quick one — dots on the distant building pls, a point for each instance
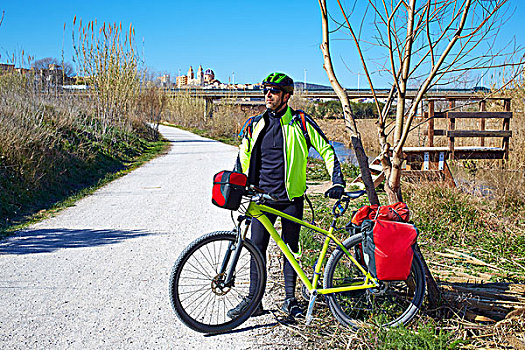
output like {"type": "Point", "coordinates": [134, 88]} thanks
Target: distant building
{"type": "Point", "coordinates": [165, 81]}
{"type": "Point", "coordinates": [205, 79]}
{"type": "Point", "coordinates": [209, 76]}
{"type": "Point", "coordinates": [200, 77]}
{"type": "Point", "coordinates": [6, 68]}
{"type": "Point", "coordinates": [181, 81]}
{"type": "Point", "coordinates": [53, 76]}
{"type": "Point", "coordinates": [23, 71]}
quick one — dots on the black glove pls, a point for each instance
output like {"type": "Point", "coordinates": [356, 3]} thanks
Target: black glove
{"type": "Point", "coordinates": [335, 192]}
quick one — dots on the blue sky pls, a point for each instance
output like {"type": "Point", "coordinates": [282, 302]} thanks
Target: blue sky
{"type": "Point", "coordinates": [244, 40]}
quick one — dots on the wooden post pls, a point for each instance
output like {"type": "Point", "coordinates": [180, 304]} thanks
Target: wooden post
{"type": "Point", "coordinates": [430, 123]}
{"type": "Point", "coordinates": [449, 179]}
{"type": "Point", "coordinates": [506, 126]}
{"type": "Point", "coordinates": [434, 293]}
{"type": "Point", "coordinates": [451, 127]}
{"type": "Point", "coordinates": [482, 108]}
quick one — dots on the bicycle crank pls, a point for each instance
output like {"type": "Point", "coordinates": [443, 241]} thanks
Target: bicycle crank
{"type": "Point", "coordinates": [381, 290]}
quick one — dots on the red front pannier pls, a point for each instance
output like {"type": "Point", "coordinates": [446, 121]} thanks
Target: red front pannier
{"type": "Point", "coordinates": [387, 247]}
{"type": "Point", "coordinates": [228, 189]}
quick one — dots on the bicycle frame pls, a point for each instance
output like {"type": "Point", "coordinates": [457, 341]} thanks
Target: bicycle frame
{"type": "Point", "coordinates": [257, 211]}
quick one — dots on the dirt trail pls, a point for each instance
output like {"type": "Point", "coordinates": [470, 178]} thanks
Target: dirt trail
{"type": "Point", "coordinates": [96, 275]}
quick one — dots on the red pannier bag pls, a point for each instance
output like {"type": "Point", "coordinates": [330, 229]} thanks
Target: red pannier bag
{"type": "Point", "coordinates": [394, 212]}
{"type": "Point", "coordinates": [228, 189]}
{"type": "Point", "coordinates": [387, 247]}
{"type": "Point", "coordinates": [367, 212]}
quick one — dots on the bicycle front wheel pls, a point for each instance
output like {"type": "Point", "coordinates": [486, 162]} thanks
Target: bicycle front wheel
{"type": "Point", "coordinates": [391, 304]}
{"type": "Point", "coordinates": [198, 292]}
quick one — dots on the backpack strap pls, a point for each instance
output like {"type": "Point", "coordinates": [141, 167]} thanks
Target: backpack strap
{"type": "Point", "coordinates": [300, 117]}
{"type": "Point", "coordinates": [247, 128]}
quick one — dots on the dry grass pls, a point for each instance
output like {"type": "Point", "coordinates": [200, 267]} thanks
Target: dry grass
{"type": "Point", "coordinates": [464, 221]}
{"type": "Point", "coordinates": [228, 118]}
{"type": "Point", "coordinates": [107, 59]}
{"type": "Point", "coordinates": [189, 112]}
{"type": "Point", "coordinates": [52, 145]}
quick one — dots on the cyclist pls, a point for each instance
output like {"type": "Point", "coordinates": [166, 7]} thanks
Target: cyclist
{"type": "Point", "coordinates": [273, 154]}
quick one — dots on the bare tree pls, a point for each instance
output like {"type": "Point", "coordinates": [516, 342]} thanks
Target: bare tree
{"type": "Point", "coordinates": [44, 63]}
{"type": "Point", "coordinates": [420, 44]}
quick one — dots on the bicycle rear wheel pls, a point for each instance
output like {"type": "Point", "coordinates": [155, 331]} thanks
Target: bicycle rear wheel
{"type": "Point", "coordinates": [391, 304]}
{"type": "Point", "coordinates": [197, 291]}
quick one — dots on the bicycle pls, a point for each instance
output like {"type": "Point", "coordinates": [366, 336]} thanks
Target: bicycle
{"type": "Point", "coordinates": [212, 275]}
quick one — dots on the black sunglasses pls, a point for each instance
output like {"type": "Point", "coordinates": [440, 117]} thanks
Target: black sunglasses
{"type": "Point", "coordinates": [273, 90]}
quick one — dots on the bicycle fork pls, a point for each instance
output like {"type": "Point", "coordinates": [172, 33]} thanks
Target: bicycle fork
{"type": "Point", "coordinates": [236, 248]}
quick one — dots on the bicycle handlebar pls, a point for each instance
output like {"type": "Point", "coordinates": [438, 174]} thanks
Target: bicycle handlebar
{"type": "Point", "coordinates": [258, 195]}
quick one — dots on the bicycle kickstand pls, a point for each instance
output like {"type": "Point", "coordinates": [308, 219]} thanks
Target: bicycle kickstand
{"type": "Point", "coordinates": [309, 317]}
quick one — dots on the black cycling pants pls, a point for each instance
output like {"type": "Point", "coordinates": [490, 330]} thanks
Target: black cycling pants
{"type": "Point", "coordinates": [290, 234]}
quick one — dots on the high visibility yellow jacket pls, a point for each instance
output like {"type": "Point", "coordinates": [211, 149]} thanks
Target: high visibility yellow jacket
{"type": "Point", "coordinates": [295, 149]}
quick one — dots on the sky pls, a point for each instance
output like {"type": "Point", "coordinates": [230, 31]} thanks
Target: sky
{"type": "Point", "coordinates": [242, 41]}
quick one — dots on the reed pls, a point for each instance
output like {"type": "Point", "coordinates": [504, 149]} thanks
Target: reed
{"type": "Point", "coordinates": [53, 145]}
{"type": "Point", "coordinates": [107, 59]}
{"type": "Point", "coordinates": [190, 112]}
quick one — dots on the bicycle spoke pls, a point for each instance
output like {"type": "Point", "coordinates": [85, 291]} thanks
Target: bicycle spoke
{"type": "Point", "coordinates": [388, 304]}
{"type": "Point", "coordinates": [214, 263]}
{"type": "Point", "coordinates": [204, 269]}
{"type": "Point", "coordinates": [193, 291]}
{"type": "Point", "coordinates": [195, 270]}
{"type": "Point", "coordinates": [198, 295]}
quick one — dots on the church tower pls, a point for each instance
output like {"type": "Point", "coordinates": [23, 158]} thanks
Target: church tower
{"type": "Point", "coordinates": [190, 74]}
{"type": "Point", "coordinates": [200, 76]}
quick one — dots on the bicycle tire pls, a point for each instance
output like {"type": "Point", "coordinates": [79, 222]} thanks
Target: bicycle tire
{"type": "Point", "coordinates": [392, 304]}
{"type": "Point", "coordinates": [200, 304]}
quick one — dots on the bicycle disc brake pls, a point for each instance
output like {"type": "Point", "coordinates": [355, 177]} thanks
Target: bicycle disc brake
{"type": "Point", "coordinates": [217, 285]}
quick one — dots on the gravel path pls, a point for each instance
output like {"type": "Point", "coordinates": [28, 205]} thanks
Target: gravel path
{"type": "Point", "coordinates": [95, 276]}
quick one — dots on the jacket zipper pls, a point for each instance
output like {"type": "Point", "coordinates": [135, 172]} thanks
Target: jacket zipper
{"type": "Point", "coordinates": [285, 163]}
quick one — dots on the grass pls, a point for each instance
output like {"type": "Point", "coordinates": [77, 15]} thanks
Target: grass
{"type": "Point", "coordinates": [52, 203]}
{"type": "Point", "coordinates": [446, 219]}
{"type": "Point", "coordinates": [187, 112]}
{"type": "Point", "coordinates": [450, 219]}
{"type": "Point", "coordinates": [427, 337]}
{"type": "Point", "coordinates": [55, 148]}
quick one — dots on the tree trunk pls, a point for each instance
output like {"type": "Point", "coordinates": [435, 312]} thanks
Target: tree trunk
{"type": "Point", "coordinates": [351, 126]}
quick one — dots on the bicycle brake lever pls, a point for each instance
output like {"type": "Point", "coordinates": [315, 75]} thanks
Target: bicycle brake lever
{"type": "Point", "coordinates": [268, 197]}
{"type": "Point", "coordinates": [263, 197]}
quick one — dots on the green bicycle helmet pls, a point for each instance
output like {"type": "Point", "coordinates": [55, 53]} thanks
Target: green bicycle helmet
{"type": "Point", "coordinates": [280, 80]}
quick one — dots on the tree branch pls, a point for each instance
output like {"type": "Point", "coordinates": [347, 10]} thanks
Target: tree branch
{"type": "Point", "coordinates": [349, 119]}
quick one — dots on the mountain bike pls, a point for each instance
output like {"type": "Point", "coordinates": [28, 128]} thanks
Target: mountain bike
{"type": "Point", "coordinates": [212, 275]}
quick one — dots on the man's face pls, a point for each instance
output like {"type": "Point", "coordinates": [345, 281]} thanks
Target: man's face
{"type": "Point", "coordinates": [273, 97]}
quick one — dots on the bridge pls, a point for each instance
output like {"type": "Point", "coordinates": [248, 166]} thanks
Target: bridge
{"type": "Point", "coordinates": [257, 95]}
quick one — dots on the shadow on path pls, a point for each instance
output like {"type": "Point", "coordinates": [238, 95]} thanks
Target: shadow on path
{"type": "Point", "coordinates": [50, 240]}
{"type": "Point", "coordinates": [245, 329]}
